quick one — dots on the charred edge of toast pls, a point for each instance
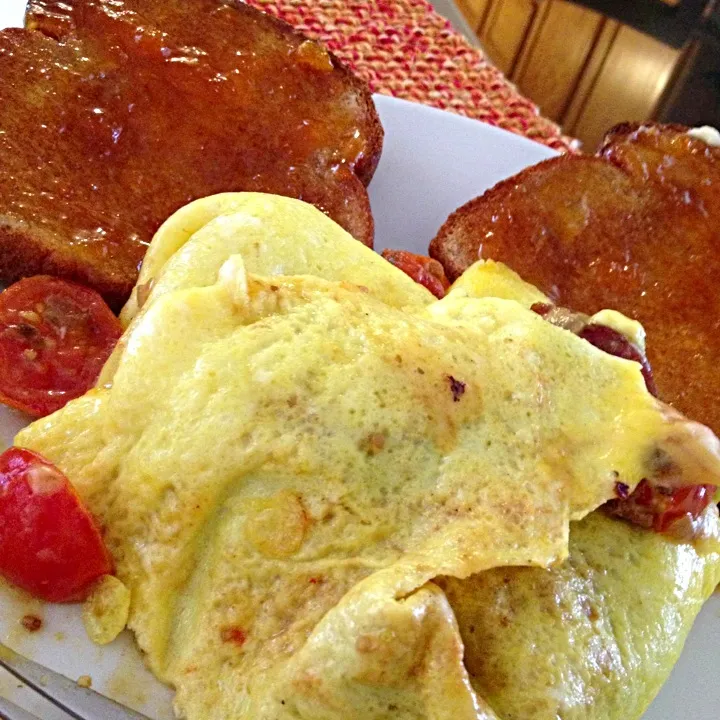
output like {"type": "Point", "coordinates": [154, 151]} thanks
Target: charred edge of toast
{"type": "Point", "coordinates": [24, 254]}
{"type": "Point", "coordinates": [456, 251]}
{"type": "Point", "coordinates": [364, 225]}
{"type": "Point", "coordinates": [59, 28]}
{"type": "Point", "coordinates": [366, 165]}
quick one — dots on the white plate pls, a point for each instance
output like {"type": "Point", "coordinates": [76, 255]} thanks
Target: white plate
{"type": "Point", "coordinates": [432, 163]}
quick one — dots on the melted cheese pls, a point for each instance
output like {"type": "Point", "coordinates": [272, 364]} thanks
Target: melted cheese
{"type": "Point", "coordinates": [707, 134]}
{"type": "Point", "coordinates": [631, 329]}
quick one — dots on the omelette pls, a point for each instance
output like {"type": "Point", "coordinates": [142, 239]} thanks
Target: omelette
{"type": "Point", "coordinates": [331, 496]}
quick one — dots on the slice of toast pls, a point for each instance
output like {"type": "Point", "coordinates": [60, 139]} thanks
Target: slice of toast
{"type": "Point", "coordinates": [115, 114]}
{"type": "Point", "coordinates": [636, 228]}
{"type": "Point", "coordinates": [530, 220]}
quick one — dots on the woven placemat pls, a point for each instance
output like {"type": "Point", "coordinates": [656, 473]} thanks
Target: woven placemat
{"type": "Point", "coordinates": [406, 49]}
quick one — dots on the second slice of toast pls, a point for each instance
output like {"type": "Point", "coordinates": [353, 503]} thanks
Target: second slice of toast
{"type": "Point", "coordinates": [635, 228]}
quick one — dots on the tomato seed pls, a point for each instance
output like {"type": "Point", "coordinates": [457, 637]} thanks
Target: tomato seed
{"type": "Point", "coordinates": [44, 480]}
{"type": "Point", "coordinates": [29, 316]}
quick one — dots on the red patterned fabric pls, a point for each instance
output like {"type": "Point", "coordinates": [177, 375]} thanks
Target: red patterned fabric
{"type": "Point", "coordinates": [404, 48]}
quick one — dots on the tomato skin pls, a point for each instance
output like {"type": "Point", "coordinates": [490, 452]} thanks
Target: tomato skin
{"type": "Point", "coordinates": [421, 269]}
{"type": "Point", "coordinates": [50, 545]}
{"type": "Point", "coordinates": [659, 507]}
{"type": "Point", "coordinates": [689, 500]}
{"type": "Point", "coordinates": [55, 336]}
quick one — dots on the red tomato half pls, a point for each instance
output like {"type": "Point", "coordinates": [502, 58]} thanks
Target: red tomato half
{"type": "Point", "coordinates": [55, 337]}
{"type": "Point", "coordinates": [49, 543]}
{"type": "Point", "coordinates": [659, 507]}
{"type": "Point", "coordinates": [421, 269]}
{"type": "Point", "coordinates": [690, 500]}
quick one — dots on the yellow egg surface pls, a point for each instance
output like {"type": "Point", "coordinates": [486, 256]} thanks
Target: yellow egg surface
{"type": "Point", "coordinates": [275, 236]}
{"type": "Point", "coordinates": [595, 637]}
{"type": "Point", "coordinates": [293, 440]}
{"type": "Point", "coordinates": [488, 278]}
{"type": "Point", "coordinates": [282, 466]}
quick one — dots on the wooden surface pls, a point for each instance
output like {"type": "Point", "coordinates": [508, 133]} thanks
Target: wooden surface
{"type": "Point", "coordinates": [473, 10]}
{"type": "Point", "coordinates": [585, 71]}
{"type": "Point", "coordinates": [505, 29]}
{"type": "Point", "coordinates": [596, 60]}
{"type": "Point", "coordinates": [629, 85]}
{"type": "Point", "coordinates": [556, 55]}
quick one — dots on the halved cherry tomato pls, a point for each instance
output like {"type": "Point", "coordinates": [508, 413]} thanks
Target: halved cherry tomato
{"type": "Point", "coordinates": [421, 269]}
{"type": "Point", "coordinates": [660, 507]}
{"type": "Point", "coordinates": [689, 500]}
{"type": "Point", "coordinates": [55, 337]}
{"type": "Point", "coordinates": [50, 545]}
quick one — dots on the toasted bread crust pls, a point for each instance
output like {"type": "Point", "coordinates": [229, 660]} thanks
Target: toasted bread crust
{"type": "Point", "coordinates": [59, 19]}
{"type": "Point", "coordinates": [459, 242]}
{"type": "Point", "coordinates": [24, 254]}
{"type": "Point", "coordinates": [635, 228]}
{"type": "Point", "coordinates": [621, 132]}
{"type": "Point", "coordinates": [104, 137]}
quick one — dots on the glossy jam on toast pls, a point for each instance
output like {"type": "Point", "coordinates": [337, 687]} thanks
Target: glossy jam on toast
{"type": "Point", "coordinates": [115, 113]}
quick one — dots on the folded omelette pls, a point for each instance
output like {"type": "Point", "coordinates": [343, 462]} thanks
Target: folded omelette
{"type": "Point", "coordinates": [332, 497]}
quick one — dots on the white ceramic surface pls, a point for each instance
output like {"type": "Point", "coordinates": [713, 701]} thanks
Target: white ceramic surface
{"type": "Point", "coordinates": [432, 163]}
